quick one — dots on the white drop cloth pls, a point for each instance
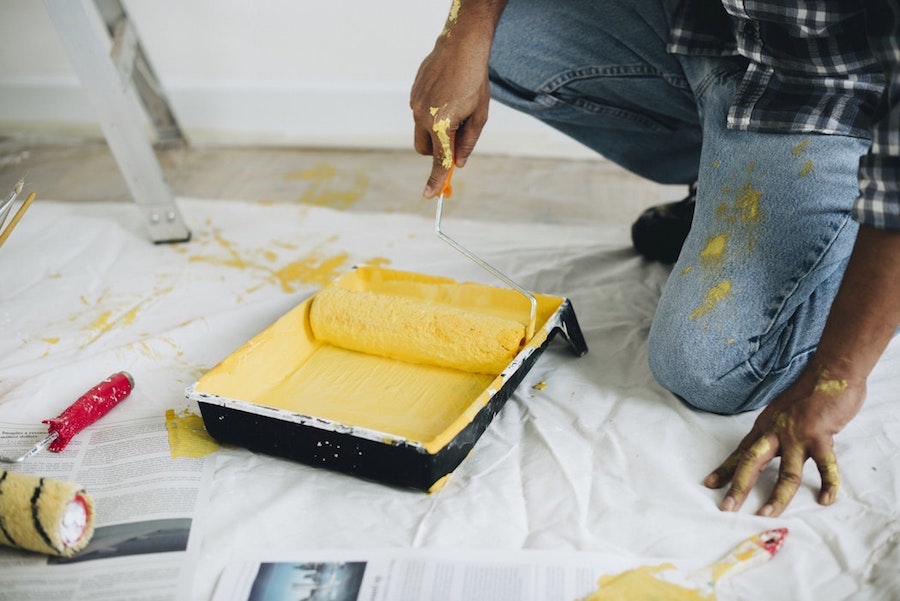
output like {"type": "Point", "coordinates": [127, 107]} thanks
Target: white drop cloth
{"type": "Point", "coordinates": [602, 459]}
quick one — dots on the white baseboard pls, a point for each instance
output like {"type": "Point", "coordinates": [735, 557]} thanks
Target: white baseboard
{"type": "Point", "coordinates": [324, 114]}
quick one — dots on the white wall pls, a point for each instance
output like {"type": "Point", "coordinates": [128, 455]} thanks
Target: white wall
{"type": "Point", "coordinates": [317, 73]}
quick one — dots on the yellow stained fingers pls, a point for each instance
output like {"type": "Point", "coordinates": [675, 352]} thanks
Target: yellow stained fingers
{"type": "Point", "coordinates": [831, 478]}
{"type": "Point", "coordinates": [789, 478]}
{"type": "Point", "coordinates": [750, 462]}
{"type": "Point", "coordinates": [441, 128]}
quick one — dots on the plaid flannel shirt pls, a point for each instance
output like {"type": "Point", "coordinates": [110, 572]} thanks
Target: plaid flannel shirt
{"type": "Point", "coordinates": [813, 66]}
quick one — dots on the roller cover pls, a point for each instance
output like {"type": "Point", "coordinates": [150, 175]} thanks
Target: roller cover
{"type": "Point", "coordinates": [414, 331]}
{"type": "Point", "coordinates": [54, 517]}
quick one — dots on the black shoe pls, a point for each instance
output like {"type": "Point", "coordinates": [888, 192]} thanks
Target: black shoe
{"type": "Point", "coordinates": [660, 231]}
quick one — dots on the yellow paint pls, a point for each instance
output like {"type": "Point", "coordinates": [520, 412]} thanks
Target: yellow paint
{"type": "Point", "coordinates": [799, 148]}
{"type": "Point", "coordinates": [287, 368]}
{"type": "Point", "coordinates": [542, 385]}
{"type": "Point", "coordinates": [328, 186]}
{"type": "Point", "coordinates": [642, 584]}
{"type": "Point", "coordinates": [826, 384]}
{"type": "Point", "coordinates": [441, 127]}
{"type": "Point", "coordinates": [378, 261]}
{"type": "Point", "coordinates": [687, 270]}
{"type": "Point", "coordinates": [308, 270]}
{"type": "Point", "coordinates": [807, 169]}
{"type": "Point", "coordinates": [439, 484]}
{"type": "Point", "coordinates": [452, 18]}
{"type": "Point", "coordinates": [712, 298]}
{"type": "Point", "coordinates": [747, 203]}
{"type": "Point", "coordinates": [714, 251]}
{"type": "Point", "coordinates": [51, 339]}
{"type": "Point", "coordinates": [188, 436]}
{"type": "Point", "coordinates": [715, 164]}
{"type": "Point", "coordinates": [311, 269]}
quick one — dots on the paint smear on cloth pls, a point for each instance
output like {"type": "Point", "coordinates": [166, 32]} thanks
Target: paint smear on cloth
{"type": "Point", "coordinates": [641, 584]}
{"type": "Point", "coordinates": [314, 268]}
{"type": "Point", "coordinates": [188, 436]}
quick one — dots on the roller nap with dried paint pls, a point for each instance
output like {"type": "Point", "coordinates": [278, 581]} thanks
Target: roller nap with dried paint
{"type": "Point", "coordinates": [418, 331]}
{"type": "Point", "coordinates": [54, 517]}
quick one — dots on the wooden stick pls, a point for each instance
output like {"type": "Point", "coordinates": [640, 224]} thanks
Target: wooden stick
{"type": "Point", "coordinates": [15, 220]}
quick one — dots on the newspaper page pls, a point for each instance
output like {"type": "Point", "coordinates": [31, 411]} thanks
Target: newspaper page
{"type": "Point", "coordinates": [145, 544]}
{"type": "Point", "coordinates": [416, 574]}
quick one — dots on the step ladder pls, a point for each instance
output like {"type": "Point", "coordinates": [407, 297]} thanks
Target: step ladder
{"type": "Point", "coordinates": [106, 54]}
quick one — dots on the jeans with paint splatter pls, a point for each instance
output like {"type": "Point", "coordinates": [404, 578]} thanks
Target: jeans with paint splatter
{"type": "Point", "coordinates": [744, 306]}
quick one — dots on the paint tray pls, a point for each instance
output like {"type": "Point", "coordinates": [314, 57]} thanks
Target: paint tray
{"type": "Point", "coordinates": [286, 394]}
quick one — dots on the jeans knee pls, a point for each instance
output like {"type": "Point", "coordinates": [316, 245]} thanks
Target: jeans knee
{"type": "Point", "coordinates": [703, 377]}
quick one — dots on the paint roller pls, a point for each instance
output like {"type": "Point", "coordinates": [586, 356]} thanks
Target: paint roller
{"type": "Point", "coordinates": [418, 331]}
{"type": "Point", "coordinates": [45, 515]}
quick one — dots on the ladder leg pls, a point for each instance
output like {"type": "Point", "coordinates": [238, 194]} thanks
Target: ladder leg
{"type": "Point", "coordinates": [83, 34]}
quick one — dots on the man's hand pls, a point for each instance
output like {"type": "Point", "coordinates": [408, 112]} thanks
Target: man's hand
{"type": "Point", "coordinates": [451, 92]}
{"type": "Point", "coordinates": [800, 424]}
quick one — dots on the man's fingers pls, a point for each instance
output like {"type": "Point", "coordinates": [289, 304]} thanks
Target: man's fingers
{"type": "Point", "coordinates": [422, 142]}
{"type": "Point", "coordinates": [722, 474]}
{"type": "Point", "coordinates": [790, 474]}
{"type": "Point", "coordinates": [831, 477]}
{"type": "Point", "coordinates": [750, 463]}
{"type": "Point", "coordinates": [436, 179]}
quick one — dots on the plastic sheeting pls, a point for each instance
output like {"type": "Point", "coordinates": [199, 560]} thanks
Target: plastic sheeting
{"type": "Point", "coordinates": [599, 457]}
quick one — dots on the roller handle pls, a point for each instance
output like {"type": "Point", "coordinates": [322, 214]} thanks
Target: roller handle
{"type": "Point", "coordinates": [91, 406]}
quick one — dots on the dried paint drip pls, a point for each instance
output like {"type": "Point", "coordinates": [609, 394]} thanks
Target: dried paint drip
{"type": "Point", "coordinates": [188, 436]}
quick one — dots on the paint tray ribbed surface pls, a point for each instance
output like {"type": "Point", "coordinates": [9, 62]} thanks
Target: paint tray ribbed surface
{"type": "Point", "coordinates": [403, 423]}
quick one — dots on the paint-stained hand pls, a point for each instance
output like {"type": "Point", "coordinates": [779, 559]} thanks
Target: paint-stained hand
{"type": "Point", "coordinates": [798, 425]}
{"type": "Point", "coordinates": [449, 100]}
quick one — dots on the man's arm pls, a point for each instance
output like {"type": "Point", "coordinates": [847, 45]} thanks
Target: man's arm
{"type": "Point", "coordinates": [451, 92]}
{"type": "Point", "coordinates": [802, 421]}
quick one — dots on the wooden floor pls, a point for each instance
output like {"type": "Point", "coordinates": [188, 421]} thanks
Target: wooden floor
{"type": "Point", "coordinates": [491, 188]}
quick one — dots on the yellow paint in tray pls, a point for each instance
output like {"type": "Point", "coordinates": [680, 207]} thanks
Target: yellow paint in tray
{"type": "Point", "coordinates": [285, 367]}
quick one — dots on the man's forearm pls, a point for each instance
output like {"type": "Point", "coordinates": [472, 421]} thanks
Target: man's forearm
{"type": "Point", "coordinates": [866, 311]}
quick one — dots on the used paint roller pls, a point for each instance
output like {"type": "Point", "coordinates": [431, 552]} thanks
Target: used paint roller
{"type": "Point", "coordinates": [88, 408]}
{"type": "Point", "coordinates": [56, 517]}
{"type": "Point", "coordinates": [422, 331]}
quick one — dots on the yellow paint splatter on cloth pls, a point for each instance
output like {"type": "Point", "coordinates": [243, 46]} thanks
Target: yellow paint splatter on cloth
{"type": "Point", "coordinates": [314, 268]}
{"type": "Point", "coordinates": [641, 584]}
{"type": "Point", "coordinates": [329, 187]}
{"type": "Point", "coordinates": [188, 436]}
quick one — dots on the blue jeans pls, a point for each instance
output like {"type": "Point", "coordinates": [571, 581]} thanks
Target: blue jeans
{"type": "Point", "coordinates": [744, 306]}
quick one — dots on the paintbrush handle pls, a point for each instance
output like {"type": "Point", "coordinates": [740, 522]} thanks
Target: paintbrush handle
{"type": "Point", "coordinates": [91, 406]}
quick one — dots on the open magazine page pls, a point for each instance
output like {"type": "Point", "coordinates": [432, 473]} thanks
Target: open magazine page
{"type": "Point", "coordinates": [416, 574]}
{"type": "Point", "coordinates": [145, 542]}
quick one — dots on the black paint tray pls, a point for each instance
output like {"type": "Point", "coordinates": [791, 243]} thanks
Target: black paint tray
{"type": "Point", "coordinates": [286, 394]}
